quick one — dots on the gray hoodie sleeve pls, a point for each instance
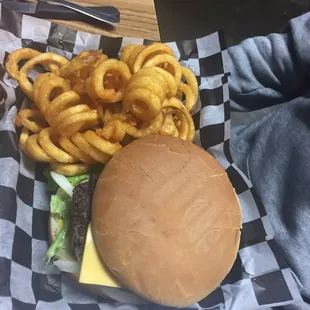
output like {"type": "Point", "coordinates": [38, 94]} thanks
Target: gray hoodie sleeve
{"type": "Point", "coordinates": [274, 151]}
{"type": "Point", "coordinates": [271, 70]}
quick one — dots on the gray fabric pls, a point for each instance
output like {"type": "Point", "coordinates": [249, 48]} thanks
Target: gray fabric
{"type": "Point", "coordinates": [274, 151]}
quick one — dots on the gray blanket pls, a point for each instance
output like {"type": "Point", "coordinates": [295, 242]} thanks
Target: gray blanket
{"type": "Point", "coordinates": [274, 151]}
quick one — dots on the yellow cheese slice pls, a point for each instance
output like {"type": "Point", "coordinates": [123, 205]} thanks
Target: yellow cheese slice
{"type": "Point", "coordinates": [94, 270]}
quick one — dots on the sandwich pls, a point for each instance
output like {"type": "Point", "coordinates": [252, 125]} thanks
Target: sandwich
{"type": "Point", "coordinates": [162, 215]}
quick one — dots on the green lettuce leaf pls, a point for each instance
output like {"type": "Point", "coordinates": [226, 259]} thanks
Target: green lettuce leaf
{"type": "Point", "coordinates": [52, 186]}
{"type": "Point", "coordinates": [61, 243]}
{"type": "Point", "coordinates": [78, 179]}
{"type": "Point", "coordinates": [61, 204]}
{"type": "Point", "coordinates": [60, 207]}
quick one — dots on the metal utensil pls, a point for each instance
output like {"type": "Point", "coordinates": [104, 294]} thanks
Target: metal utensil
{"type": "Point", "coordinates": [53, 11]}
{"type": "Point", "coordinates": [89, 11]}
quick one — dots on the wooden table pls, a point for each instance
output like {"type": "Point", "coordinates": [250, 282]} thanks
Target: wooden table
{"type": "Point", "coordinates": [138, 19]}
{"type": "Point", "coordinates": [171, 20]}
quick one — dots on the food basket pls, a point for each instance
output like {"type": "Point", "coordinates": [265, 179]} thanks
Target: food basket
{"type": "Point", "coordinates": [260, 276]}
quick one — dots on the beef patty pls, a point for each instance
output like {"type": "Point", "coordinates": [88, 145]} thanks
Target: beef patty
{"type": "Point", "coordinates": [81, 212]}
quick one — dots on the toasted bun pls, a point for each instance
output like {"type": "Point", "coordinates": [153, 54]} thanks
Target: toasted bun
{"type": "Point", "coordinates": [166, 220]}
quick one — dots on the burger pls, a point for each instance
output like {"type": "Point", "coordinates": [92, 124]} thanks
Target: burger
{"type": "Point", "coordinates": [162, 218]}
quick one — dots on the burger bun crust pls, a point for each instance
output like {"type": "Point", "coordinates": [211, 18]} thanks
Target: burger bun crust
{"type": "Point", "coordinates": [166, 220]}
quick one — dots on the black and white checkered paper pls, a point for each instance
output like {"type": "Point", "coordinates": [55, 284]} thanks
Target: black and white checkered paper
{"type": "Point", "coordinates": [260, 276]}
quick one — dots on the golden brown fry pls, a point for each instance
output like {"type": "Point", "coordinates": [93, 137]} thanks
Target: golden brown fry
{"type": "Point", "coordinates": [43, 87]}
{"type": "Point", "coordinates": [23, 140]}
{"type": "Point", "coordinates": [151, 128]}
{"type": "Point", "coordinates": [23, 118]}
{"type": "Point", "coordinates": [142, 103]}
{"type": "Point", "coordinates": [126, 52]}
{"type": "Point", "coordinates": [17, 56]}
{"type": "Point", "coordinates": [78, 122]}
{"type": "Point", "coordinates": [75, 79]}
{"type": "Point", "coordinates": [190, 100]}
{"type": "Point", "coordinates": [60, 104]}
{"type": "Point", "coordinates": [36, 151]}
{"type": "Point", "coordinates": [37, 86]}
{"type": "Point", "coordinates": [166, 59]}
{"type": "Point", "coordinates": [129, 125]}
{"type": "Point", "coordinates": [145, 93]}
{"type": "Point", "coordinates": [52, 150]}
{"type": "Point", "coordinates": [64, 113]}
{"type": "Point", "coordinates": [172, 85]}
{"type": "Point", "coordinates": [96, 88]}
{"type": "Point", "coordinates": [113, 81]}
{"type": "Point", "coordinates": [72, 111]}
{"type": "Point", "coordinates": [81, 61]}
{"type": "Point", "coordinates": [191, 81]}
{"type": "Point", "coordinates": [86, 72]}
{"type": "Point", "coordinates": [103, 145]}
{"type": "Point", "coordinates": [129, 55]}
{"type": "Point", "coordinates": [113, 131]}
{"type": "Point", "coordinates": [69, 170]}
{"type": "Point", "coordinates": [169, 128]}
{"type": "Point", "coordinates": [179, 95]}
{"type": "Point", "coordinates": [153, 49]}
{"type": "Point", "coordinates": [186, 129]}
{"type": "Point", "coordinates": [72, 149]}
{"type": "Point", "coordinates": [151, 79]}
{"type": "Point", "coordinates": [43, 59]}
{"type": "Point", "coordinates": [94, 105]}
{"type": "Point", "coordinates": [79, 140]}
{"type": "Point", "coordinates": [80, 88]}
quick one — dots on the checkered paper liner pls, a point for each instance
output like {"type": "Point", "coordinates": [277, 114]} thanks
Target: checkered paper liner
{"type": "Point", "coordinates": [260, 276]}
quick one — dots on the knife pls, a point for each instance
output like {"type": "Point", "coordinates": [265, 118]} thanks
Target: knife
{"type": "Point", "coordinates": [108, 14]}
